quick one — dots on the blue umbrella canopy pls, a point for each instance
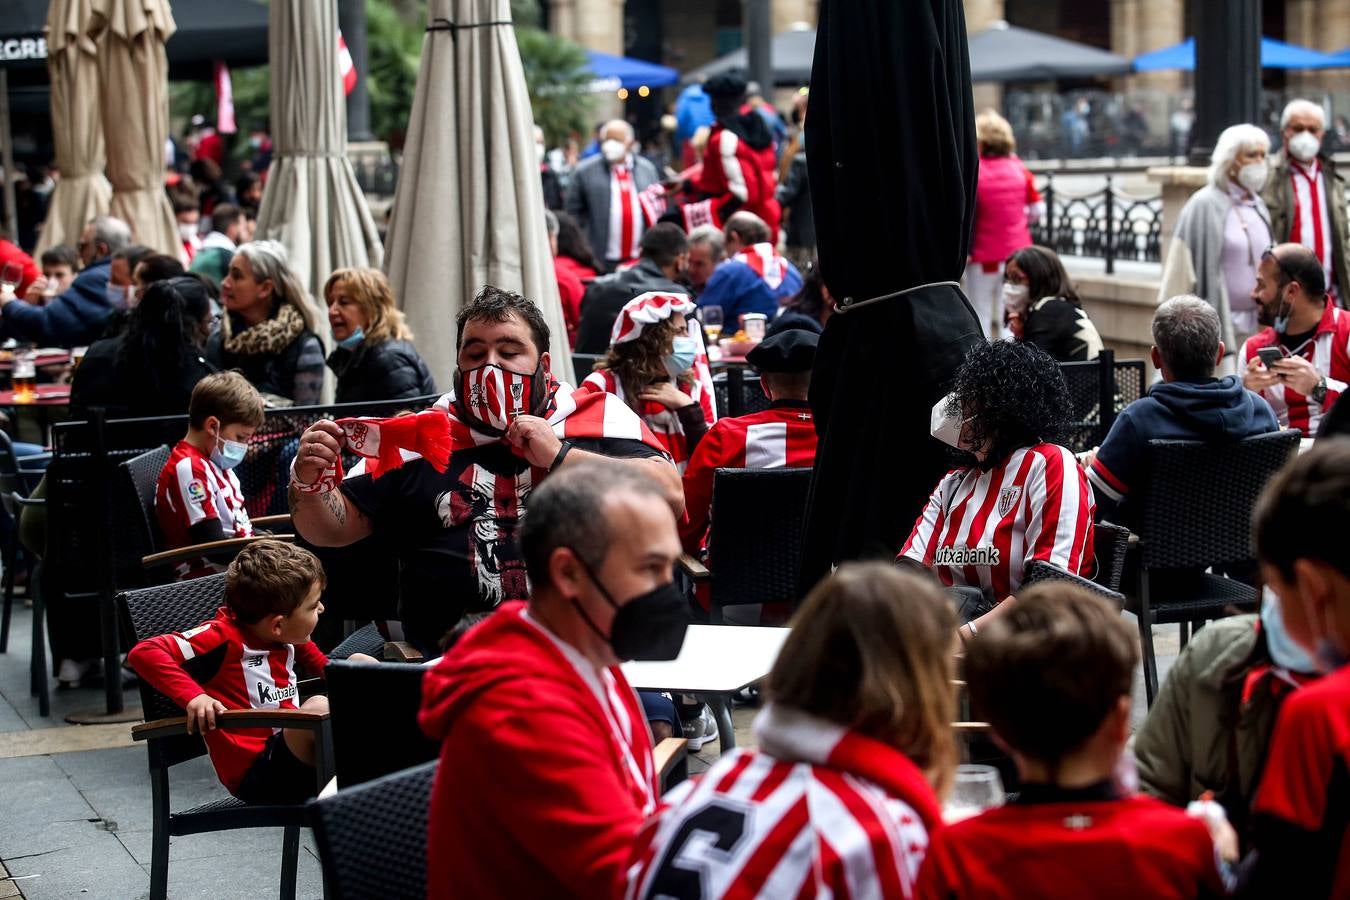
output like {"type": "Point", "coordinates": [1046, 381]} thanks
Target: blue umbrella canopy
{"type": "Point", "coordinates": [614, 72]}
{"type": "Point", "coordinates": [1274, 55]}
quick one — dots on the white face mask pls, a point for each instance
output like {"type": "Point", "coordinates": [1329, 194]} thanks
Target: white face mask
{"type": "Point", "coordinates": [945, 426]}
{"type": "Point", "coordinates": [1253, 176]}
{"type": "Point", "coordinates": [187, 230]}
{"type": "Point", "coordinates": [1304, 146]}
{"type": "Point", "coordinates": [1015, 296]}
{"type": "Point", "coordinates": [613, 151]}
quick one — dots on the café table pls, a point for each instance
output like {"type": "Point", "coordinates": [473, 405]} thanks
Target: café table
{"type": "Point", "coordinates": [53, 401]}
{"type": "Point", "coordinates": [735, 367]}
{"type": "Point", "coordinates": [715, 662]}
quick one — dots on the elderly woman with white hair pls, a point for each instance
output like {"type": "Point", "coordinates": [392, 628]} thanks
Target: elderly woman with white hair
{"type": "Point", "coordinates": [270, 328]}
{"type": "Point", "coordinates": [1221, 233]}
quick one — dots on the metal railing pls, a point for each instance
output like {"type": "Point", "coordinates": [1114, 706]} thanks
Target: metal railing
{"type": "Point", "coordinates": [1106, 224]}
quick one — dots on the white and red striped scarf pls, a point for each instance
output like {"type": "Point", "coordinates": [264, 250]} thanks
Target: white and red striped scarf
{"type": "Point", "coordinates": [435, 434]}
{"type": "Point", "coordinates": [765, 262]}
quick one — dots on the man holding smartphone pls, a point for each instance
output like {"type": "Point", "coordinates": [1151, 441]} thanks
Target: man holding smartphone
{"type": "Point", "coordinates": [1301, 361]}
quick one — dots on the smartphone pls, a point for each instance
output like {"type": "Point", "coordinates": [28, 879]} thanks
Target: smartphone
{"type": "Point", "coordinates": [1270, 355]}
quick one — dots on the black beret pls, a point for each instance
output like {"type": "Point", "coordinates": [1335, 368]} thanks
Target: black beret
{"type": "Point", "coordinates": [793, 350]}
{"type": "Point", "coordinates": [726, 84]}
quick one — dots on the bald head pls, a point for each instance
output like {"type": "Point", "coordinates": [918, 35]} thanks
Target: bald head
{"type": "Point", "coordinates": [745, 229]}
{"type": "Point", "coordinates": [617, 130]}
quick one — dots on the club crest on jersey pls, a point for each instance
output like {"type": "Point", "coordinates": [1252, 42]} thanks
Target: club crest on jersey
{"type": "Point", "coordinates": [1007, 500]}
{"type": "Point", "coordinates": [270, 694]}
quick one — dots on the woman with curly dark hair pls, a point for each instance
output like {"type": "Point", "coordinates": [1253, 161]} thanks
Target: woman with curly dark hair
{"type": "Point", "coordinates": [1042, 307]}
{"type": "Point", "coordinates": [1015, 496]}
{"type": "Point", "coordinates": [656, 365]}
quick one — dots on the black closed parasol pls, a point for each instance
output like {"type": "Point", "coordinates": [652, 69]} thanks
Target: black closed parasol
{"type": "Point", "coordinates": [890, 136]}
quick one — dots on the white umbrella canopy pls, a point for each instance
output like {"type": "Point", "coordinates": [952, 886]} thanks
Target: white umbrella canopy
{"type": "Point", "coordinates": [82, 192]}
{"type": "Point", "coordinates": [312, 203]}
{"type": "Point", "coordinates": [469, 208]}
{"type": "Point", "coordinates": [134, 89]}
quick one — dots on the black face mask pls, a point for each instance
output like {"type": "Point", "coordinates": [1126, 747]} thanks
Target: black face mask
{"type": "Point", "coordinates": [648, 627]}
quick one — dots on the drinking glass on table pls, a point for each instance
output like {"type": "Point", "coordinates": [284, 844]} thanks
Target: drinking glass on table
{"type": "Point", "coordinates": [10, 276]}
{"type": "Point", "coordinates": [25, 378]}
{"type": "Point", "coordinates": [975, 789]}
{"type": "Point", "coordinates": [712, 321]}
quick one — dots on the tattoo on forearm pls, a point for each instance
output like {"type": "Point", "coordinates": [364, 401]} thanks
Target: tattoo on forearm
{"type": "Point", "coordinates": [336, 505]}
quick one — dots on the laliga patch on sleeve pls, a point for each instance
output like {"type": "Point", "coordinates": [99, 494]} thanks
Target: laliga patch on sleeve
{"type": "Point", "coordinates": [196, 491]}
{"type": "Point", "coordinates": [193, 632]}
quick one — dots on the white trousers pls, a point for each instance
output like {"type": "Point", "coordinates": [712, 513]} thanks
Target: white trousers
{"type": "Point", "coordinates": [985, 290]}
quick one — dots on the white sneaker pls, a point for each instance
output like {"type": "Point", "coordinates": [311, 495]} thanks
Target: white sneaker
{"type": "Point", "coordinates": [701, 730]}
{"type": "Point", "coordinates": [72, 672]}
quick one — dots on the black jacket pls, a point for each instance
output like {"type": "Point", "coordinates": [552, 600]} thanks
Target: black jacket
{"type": "Point", "coordinates": [606, 296]}
{"type": "Point", "coordinates": [101, 380]}
{"type": "Point", "coordinates": [795, 198]}
{"type": "Point", "coordinates": [270, 373]}
{"type": "Point", "coordinates": [386, 370]}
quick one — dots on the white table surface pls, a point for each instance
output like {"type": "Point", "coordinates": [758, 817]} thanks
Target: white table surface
{"type": "Point", "coordinates": [714, 659]}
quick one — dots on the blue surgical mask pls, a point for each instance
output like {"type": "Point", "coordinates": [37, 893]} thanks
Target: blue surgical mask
{"type": "Point", "coordinates": [228, 454]}
{"type": "Point", "coordinates": [352, 340]}
{"type": "Point", "coordinates": [1283, 651]}
{"type": "Point", "coordinates": [1282, 322]}
{"type": "Point", "coordinates": [681, 358]}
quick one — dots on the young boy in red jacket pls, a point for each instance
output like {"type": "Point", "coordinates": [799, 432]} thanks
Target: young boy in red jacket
{"type": "Point", "coordinates": [246, 658]}
{"type": "Point", "coordinates": [1053, 678]}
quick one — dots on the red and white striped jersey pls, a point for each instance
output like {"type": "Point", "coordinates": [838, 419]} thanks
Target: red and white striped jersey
{"type": "Point", "coordinates": [193, 489]}
{"type": "Point", "coordinates": [818, 811]}
{"type": "Point", "coordinates": [664, 423]}
{"type": "Point", "coordinates": [782, 436]}
{"type": "Point", "coordinates": [982, 528]}
{"type": "Point", "coordinates": [214, 659]}
{"type": "Point", "coordinates": [1329, 352]}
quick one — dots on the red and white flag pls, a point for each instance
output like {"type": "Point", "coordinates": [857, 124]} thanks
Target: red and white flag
{"type": "Point", "coordinates": [767, 264]}
{"type": "Point", "coordinates": [346, 67]}
{"type": "Point", "coordinates": [224, 99]}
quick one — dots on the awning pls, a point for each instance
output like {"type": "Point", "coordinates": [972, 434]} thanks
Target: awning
{"type": "Point", "coordinates": [614, 72]}
{"type": "Point", "coordinates": [790, 53]}
{"type": "Point", "coordinates": [208, 30]}
{"type": "Point", "coordinates": [1274, 55]}
{"type": "Point", "coordinates": [1004, 52]}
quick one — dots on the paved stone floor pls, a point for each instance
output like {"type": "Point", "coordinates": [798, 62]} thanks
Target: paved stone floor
{"type": "Point", "coordinates": [75, 802]}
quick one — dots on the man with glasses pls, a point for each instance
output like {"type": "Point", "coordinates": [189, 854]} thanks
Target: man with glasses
{"type": "Point", "coordinates": [77, 315]}
{"type": "Point", "coordinates": [1301, 361]}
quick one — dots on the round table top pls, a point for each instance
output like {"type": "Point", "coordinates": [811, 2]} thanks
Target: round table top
{"type": "Point", "coordinates": [47, 395]}
{"type": "Point", "coordinates": [42, 358]}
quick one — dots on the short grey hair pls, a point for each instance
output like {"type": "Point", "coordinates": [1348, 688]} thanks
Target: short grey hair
{"type": "Point", "coordinates": [1294, 107]}
{"type": "Point", "coordinates": [567, 508]}
{"type": "Point", "coordinates": [712, 236]}
{"type": "Point", "coordinates": [750, 228]}
{"type": "Point", "coordinates": [620, 123]}
{"type": "Point", "coordinates": [112, 232]}
{"type": "Point", "coordinates": [1235, 139]}
{"type": "Point", "coordinates": [1186, 333]}
{"type": "Point", "coordinates": [551, 223]}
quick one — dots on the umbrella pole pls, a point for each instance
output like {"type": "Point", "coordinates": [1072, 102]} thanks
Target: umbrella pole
{"type": "Point", "coordinates": [758, 43]}
{"type": "Point", "coordinates": [7, 159]}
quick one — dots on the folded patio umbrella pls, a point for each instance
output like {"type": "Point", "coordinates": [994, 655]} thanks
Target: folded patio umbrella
{"type": "Point", "coordinates": [82, 192]}
{"type": "Point", "coordinates": [312, 203]}
{"type": "Point", "coordinates": [892, 164]}
{"type": "Point", "coordinates": [469, 208]}
{"type": "Point", "coordinates": [133, 94]}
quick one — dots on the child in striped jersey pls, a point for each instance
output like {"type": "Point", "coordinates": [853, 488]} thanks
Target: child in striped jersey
{"type": "Point", "coordinates": [246, 658]}
{"type": "Point", "coordinates": [854, 746]}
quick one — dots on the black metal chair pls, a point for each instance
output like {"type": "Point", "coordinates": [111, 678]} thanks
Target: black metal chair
{"type": "Point", "coordinates": [372, 838]}
{"type": "Point", "coordinates": [16, 488]}
{"type": "Point", "coordinates": [374, 710]}
{"type": "Point", "coordinates": [1195, 513]}
{"type": "Point", "coordinates": [737, 393]}
{"type": "Point", "coordinates": [1110, 543]}
{"type": "Point", "coordinates": [755, 537]}
{"type": "Point", "coordinates": [174, 607]}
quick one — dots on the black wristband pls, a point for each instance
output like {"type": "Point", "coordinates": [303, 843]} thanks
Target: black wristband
{"type": "Point", "coordinates": [565, 449]}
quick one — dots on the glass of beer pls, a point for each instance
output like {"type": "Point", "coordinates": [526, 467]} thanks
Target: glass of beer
{"type": "Point", "coordinates": [25, 379]}
{"type": "Point", "coordinates": [76, 357]}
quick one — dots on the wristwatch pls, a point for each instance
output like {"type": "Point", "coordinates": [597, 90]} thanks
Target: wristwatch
{"type": "Point", "coordinates": [1319, 392]}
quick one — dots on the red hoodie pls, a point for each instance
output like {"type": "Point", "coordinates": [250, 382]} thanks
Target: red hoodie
{"type": "Point", "coordinates": [541, 787]}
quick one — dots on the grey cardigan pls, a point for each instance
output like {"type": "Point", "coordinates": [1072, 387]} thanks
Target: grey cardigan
{"type": "Point", "coordinates": [588, 197]}
{"type": "Point", "coordinates": [1193, 259]}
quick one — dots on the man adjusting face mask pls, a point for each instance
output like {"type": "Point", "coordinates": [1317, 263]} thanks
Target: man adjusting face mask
{"type": "Point", "coordinates": [490, 397]}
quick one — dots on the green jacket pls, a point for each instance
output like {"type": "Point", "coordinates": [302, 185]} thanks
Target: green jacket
{"type": "Point", "coordinates": [1279, 197]}
{"type": "Point", "coordinates": [1199, 736]}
